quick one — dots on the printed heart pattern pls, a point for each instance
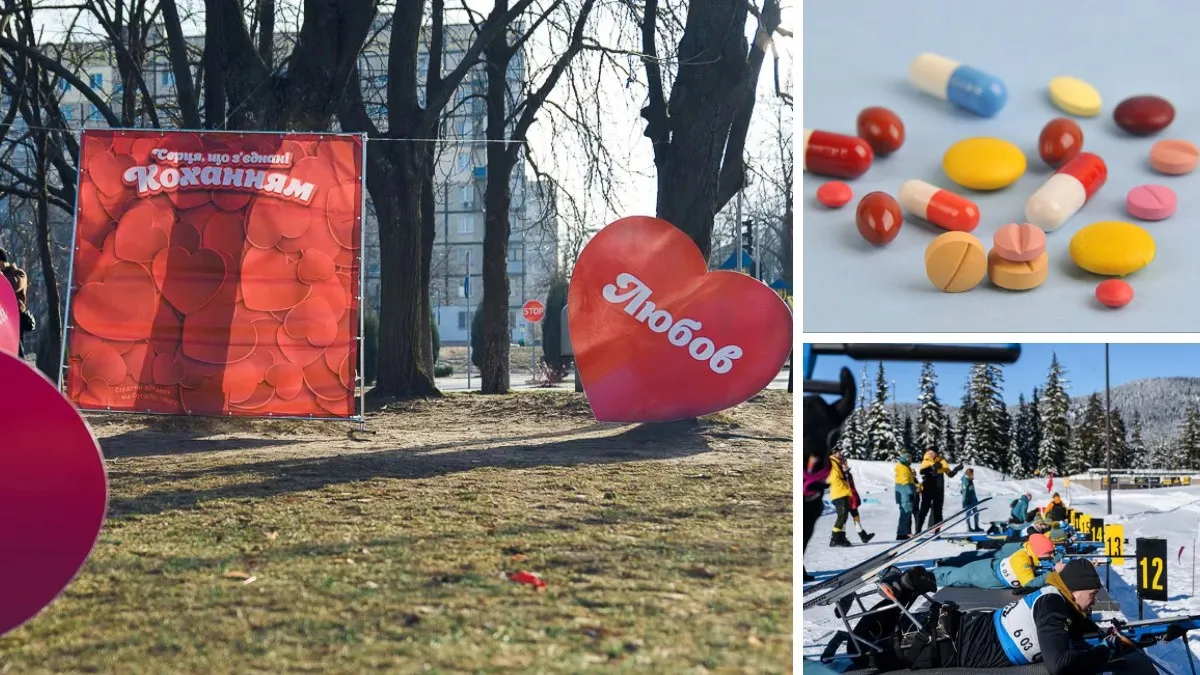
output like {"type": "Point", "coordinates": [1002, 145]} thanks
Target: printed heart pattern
{"type": "Point", "coordinates": [657, 337]}
{"type": "Point", "coordinates": [216, 301]}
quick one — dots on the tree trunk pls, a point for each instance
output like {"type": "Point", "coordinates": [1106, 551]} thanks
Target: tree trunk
{"type": "Point", "coordinates": [49, 351]}
{"type": "Point", "coordinates": [699, 134]}
{"type": "Point", "coordinates": [428, 232]}
{"type": "Point", "coordinates": [494, 371]}
{"type": "Point", "coordinates": [395, 185]}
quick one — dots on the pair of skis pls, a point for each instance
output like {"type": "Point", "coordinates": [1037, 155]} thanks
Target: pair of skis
{"type": "Point", "coordinates": [829, 591]}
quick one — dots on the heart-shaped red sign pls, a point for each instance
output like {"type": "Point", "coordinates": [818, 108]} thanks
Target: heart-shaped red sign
{"type": "Point", "coordinates": [659, 338]}
{"type": "Point", "coordinates": [53, 492]}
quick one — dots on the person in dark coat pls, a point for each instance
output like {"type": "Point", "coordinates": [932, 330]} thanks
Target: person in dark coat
{"type": "Point", "coordinates": [933, 487]}
{"type": "Point", "coordinates": [1048, 626]}
{"type": "Point", "coordinates": [20, 284]}
{"type": "Point", "coordinates": [969, 499]}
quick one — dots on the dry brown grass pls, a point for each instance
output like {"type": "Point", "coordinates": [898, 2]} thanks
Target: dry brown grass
{"type": "Point", "coordinates": [666, 548]}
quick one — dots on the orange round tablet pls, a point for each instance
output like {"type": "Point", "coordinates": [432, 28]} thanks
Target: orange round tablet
{"type": "Point", "coordinates": [955, 262]}
{"type": "Point", "coordinates": [1017, 275]}
{"type": "Point", "coordinates": [835, 194]}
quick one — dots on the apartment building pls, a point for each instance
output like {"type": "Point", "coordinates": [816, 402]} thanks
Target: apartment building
{"type": "Point", "coordinates": [460, 179]}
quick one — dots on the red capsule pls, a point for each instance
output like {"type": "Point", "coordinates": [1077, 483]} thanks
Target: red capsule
{"type": "Point", "coordinates": [836, 155]}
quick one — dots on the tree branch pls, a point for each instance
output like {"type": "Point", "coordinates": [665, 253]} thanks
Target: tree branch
{"type": "Point", "coordinates": [57, 68]}
{"type": "Point", "coordinates": [177, 52]}
{"type": "Point", "coordinates": [655, 112]}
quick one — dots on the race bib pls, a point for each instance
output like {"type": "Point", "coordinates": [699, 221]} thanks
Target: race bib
{"type": "Point", "coordinates": [1007, 573]}
{"type": "Point", "coordinates": [1017, 629]}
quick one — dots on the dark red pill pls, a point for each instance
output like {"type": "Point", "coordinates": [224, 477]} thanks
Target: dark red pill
{"type": "Point", "coordinates": [1144, 115]}
{"type": "Point", "coordinates": [878, 218]}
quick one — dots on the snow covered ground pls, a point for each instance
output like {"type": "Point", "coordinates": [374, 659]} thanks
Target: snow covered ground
{"type": "Point", "coordinates": [1169, 513]}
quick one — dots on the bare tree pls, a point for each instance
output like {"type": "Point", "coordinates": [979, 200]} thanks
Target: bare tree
{"type": "Point", "coordinates": [501, 159]}
{"type": "Point", "coordinates": [699, 131]}
{"type": "Point", "coordinates": [400, 172]}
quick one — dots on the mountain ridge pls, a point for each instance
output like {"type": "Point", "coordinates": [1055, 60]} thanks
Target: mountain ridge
{"type": "Point", "coordinates": [1161, 401]}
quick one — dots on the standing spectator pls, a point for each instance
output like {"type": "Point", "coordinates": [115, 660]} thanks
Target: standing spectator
{"type": "Point", "coordinates": [933, 487]}
{"type": "Point", "coordinates": [20, 285]}
{"type": "Point", "coordinates": [970, 499]}
{"type": "Point", "coordinates": [906, 496]}
{"type": "Point", "coordinates": [845, 500]}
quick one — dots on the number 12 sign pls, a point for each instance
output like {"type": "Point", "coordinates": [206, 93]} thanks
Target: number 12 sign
{"type": "Point", "coordinates": [657, 337]}
{"type": "Point", "coordinates": [1152, 569]}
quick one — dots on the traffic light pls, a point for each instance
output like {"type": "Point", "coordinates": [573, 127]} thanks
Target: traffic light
{"type": "Point", "coordinates": [748, 235]}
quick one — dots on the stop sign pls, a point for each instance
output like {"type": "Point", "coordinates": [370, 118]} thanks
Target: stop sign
{"type": "Point", "coordinates": [533, 311]}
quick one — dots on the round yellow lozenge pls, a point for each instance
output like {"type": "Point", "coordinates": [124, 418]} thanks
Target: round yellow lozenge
{"type": "Point", "coordinates": [1112, 248]}
{"type": "Point", "coordinates": [984, 163]}
{"type": "Point", "coordinates": [1074, 96]}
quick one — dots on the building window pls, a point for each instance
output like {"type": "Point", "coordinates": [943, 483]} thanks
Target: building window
{"type": "Point", "coordinates": [462, 320]}
{"type": "Point", "coordinates": [68, 112]}
{"type": "Point", "coordinates": [464, 161]}
{"type": "Point", "coordinates": [512, 253]}
{"type": "Point", "coordinates": [63, 85]}
{"type": "Point", "coordinates": [168, 78]}
{"type": "Point", "coordinates": [97, 81]}
{"type": "Point", "coordinates": [94, 114]}
{"type": "Point", "coordinates": [463, 126]}
{"type": "Point", "coordinates": [468, 195]}
{"type": "Point", "coordinates": [466, 225]}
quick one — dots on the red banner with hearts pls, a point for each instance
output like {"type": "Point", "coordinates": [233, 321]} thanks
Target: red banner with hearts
{"type": "Point", "coordinates": [657, 337]}
{"type": "Point", "coordinates": [216, 273]}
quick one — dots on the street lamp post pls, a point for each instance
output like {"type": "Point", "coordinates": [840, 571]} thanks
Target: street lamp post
{"type": "Point", "coordinates": [1108, 428]}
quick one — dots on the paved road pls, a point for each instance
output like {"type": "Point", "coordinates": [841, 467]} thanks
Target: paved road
{"type": "Point", "coordinates": [518, 382]}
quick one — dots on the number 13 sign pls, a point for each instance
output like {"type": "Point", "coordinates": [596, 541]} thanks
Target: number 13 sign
{"type": "Point", "coordinates": [657, 337]}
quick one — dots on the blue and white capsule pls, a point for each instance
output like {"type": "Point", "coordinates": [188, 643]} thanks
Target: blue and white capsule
{"type": "Point", "coordinates": [964, 86]}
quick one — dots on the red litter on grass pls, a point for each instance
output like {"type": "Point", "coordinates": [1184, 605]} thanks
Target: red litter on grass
{"type": "Point", "coordinates": [527, 578]}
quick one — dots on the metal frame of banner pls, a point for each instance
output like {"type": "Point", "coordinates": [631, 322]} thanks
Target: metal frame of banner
{"type": "Point", "coordinates": [361, 378]}
{"type": "Point", "coordinates": [62, 365]}
{"type": "Point", "coordinates": [66, 316]}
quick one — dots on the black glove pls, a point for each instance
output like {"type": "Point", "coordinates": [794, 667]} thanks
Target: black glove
{"type": "Point", "coordinates": [1117, 644]}
{"type": "Point", "coordinates": [1174, 632]}
{"type": "Point", "coordinates": [28, 323]}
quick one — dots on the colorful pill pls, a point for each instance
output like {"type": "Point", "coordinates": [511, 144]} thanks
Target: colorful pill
{"type": "Point", "coordinates": [1064, 193]}
{"type": "Point", "coordinates": [963, 86]}
{"type": "Point", "coordinates": [836, 155]}
{"type": "Point", "coordinates": [940, 207]}
{"type": "Point", "coordinates": [835, 194]}
{"type": "Point", "coordinates": [1114, 293]}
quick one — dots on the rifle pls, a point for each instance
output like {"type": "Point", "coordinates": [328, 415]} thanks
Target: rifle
{"type": "Point", "coordinates": [1144, 634]}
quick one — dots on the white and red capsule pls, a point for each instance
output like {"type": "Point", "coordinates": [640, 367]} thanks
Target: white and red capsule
{"type": "Point", "coordinates": [940, 207]}
{"type": "Point", "coordinates": [1064, 193]}
{"type": "Point", "coordinates": [836, 155]}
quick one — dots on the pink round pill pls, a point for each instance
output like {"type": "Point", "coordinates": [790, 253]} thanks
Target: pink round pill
{"type": "Point", "coordinates": [1151, 202]}
{"type": "Point", "coordinates": [1019, 243]}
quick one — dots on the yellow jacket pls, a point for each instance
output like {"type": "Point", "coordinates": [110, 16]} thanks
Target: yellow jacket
{"type": "Point", "coordinates": [941, 466]}
{"type": "Point", "coordinates": [904, 474]}
{"type": "Point", "coordinates": [1020, 568]}
{"type": "Point", "coordinates": [838, 485]}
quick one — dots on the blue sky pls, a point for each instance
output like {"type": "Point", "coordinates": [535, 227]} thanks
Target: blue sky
{"type": "Point", "coordinates": [1084, 364]}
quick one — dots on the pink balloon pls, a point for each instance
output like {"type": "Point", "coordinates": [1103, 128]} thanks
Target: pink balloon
{"type": "Point", "coordinates": [53, 492]}
{"type": "Point", "coordinates": [10, 318]}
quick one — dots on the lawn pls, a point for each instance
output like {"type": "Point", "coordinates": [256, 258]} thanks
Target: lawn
{"type": "Point", "coordinates": [236, 546]}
